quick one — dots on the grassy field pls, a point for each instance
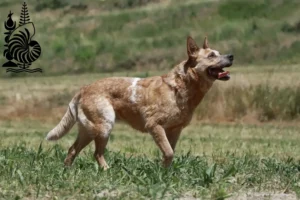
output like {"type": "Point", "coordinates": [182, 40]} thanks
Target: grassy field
{"type": "Point", "coordinates": [212, 162]}
{"type": "Point", "coordinates": [243, 142]}
{"type": "Point", "coordinates": [234, 156]}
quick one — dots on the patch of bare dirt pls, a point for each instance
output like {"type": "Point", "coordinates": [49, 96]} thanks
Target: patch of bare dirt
{"type": "Point", "coordinates": [264, 196]}
{"type": "Point", "coordinates": [251, 196]}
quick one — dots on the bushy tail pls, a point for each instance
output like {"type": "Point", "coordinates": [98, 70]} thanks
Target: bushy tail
{"type": "Point", "coordinates": [66, 123]}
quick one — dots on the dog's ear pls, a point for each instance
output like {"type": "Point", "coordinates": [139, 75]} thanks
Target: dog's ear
{"type": "Point", "coordinates": [205, 43]}
{"type": "Point", "coordinates": [192, 50]}
{"type": "Point", "coordinates": [192, 47]}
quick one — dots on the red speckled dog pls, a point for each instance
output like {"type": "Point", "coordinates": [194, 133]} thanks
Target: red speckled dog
{"type": "Point", "coordinates": [160, 105]}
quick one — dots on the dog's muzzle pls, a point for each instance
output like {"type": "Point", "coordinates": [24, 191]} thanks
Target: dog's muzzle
{"type": "Point", "coordinates": [217, 72]}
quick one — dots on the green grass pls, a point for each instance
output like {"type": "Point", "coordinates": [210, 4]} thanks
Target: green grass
{"type": "Point", "coordinates": [145, 38]}
{"type": "Point", "coordinates": [150, 35]}
{"type": "Point", "coordinates": [212, 161]}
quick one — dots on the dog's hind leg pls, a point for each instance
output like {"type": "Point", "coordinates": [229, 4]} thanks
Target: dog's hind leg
{"type": "Point", "coordinates": [95, 123]}
{"type": "Point", "coordinates": [83, 139]}
{"type": "Point", "coordinates": [100, 144]}
{"type": "Point", "coordinates": [103, 126]}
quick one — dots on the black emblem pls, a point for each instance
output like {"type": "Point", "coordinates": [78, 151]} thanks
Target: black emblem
{"type": "Point", "coordinates": [21, 50]}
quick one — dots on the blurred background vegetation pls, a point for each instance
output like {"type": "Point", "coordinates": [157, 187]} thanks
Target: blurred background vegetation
{"type": "Point", "coordinates": [80, 36]}
{"type": "Point", "coordinates": [88, 40]}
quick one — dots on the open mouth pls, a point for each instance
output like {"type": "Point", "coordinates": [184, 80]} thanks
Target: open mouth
{"type": "Point", "coordinates": [219, 73]}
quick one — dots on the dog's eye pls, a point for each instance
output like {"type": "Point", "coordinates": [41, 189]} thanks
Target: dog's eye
{"type": "Point", "coordinates": [211, 55]}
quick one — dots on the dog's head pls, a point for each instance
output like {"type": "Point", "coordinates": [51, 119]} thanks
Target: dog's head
{"type": "Point", "coordinates": [207, 62]}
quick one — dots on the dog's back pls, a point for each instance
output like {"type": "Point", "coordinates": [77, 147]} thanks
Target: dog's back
{"type": "Point", "coordinates": [161, 105]}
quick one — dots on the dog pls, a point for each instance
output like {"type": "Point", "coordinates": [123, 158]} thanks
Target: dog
{"type": "Point", "coordinates": [160, 105]}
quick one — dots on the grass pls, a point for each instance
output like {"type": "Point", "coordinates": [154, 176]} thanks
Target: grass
{"type": "Point", "coordinates": [254, 150]}
{"type": "Point", "coordinates": [89, 37]}
{"type": "Point", "coordinates": [212, 161]}
{"type": "Point", "coordinates": [252, 95]}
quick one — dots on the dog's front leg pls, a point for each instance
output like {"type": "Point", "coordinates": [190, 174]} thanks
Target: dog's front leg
{"type": "Point", "coordinates": [160, 138]}
{"type": "Point", "coordinates": [173, 136]}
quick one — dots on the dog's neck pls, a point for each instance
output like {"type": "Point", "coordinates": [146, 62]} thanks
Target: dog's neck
{"type": "Point", "coordinates": [189, 86]}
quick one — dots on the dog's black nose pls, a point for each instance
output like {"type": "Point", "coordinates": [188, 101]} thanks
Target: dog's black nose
{"type": "Point", "coordinates": [230, 57]}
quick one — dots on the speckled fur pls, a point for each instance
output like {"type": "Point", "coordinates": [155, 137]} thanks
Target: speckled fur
{"type": "Point", "coordinates": [160, 105]}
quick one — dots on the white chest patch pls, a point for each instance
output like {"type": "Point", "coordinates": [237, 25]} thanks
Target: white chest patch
{"type": "Point", "coordinates": [133, 90]}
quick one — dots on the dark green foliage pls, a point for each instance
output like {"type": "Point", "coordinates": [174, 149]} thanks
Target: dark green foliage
{"type": "Point", "coordinates": [243, 10]}
{"type": "Point", "coordinates": [239, 9]}
{"type": "Point", "coordinates": [290, 54]}
{"type": "Point", "coordinates": [125, 4]}
{"type": "Point", "coordinates": [50, 4]}
{"type": "Point", "coordinates": [286, 27]}
{"type": "Point", "coordinates": [5, 3]}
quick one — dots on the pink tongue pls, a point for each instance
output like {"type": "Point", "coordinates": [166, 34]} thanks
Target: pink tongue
{"type": "Point", "coordinates": [222, 74]}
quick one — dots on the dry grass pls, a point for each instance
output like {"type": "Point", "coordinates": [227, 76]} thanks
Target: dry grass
{"type": "Point", "coordinates": [45, 98]}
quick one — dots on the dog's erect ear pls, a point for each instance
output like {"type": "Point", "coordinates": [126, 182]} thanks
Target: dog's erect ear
{"type": "Point", "coordinates": [192, 50]}
{"type": "Point", "coordinates": [192, 47]}
{"type": "Point", "coordinates": [205, 43]}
